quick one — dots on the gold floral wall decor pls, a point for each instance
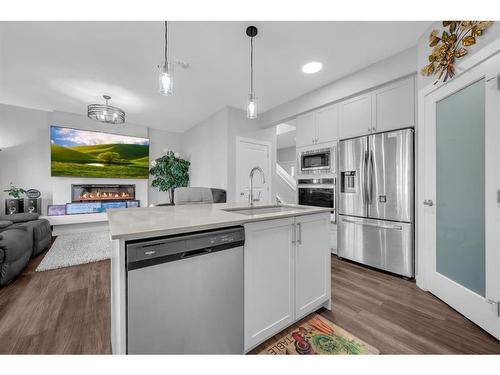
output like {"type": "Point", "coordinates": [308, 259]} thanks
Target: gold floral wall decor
{"type": "Point", "coordinates": [451, 45]}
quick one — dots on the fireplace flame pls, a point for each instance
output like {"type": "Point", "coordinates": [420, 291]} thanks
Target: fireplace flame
{"type": "Point", "coordinates": [104, 195]}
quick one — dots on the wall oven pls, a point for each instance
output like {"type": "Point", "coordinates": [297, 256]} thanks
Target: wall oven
{"type": "Point", "coordinates": [318, 192]}
{"type": "Point", "coordinates": [317, 161]}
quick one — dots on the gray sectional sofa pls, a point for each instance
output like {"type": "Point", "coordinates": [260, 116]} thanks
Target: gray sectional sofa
{"type": "Point", "coordinates": [21, 237]}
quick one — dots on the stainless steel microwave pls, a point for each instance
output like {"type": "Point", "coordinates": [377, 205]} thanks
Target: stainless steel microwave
{"type": "Point", "coordinates": [318, 161]}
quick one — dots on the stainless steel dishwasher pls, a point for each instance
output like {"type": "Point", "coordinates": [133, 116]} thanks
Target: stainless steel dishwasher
{"type": "Point", "coordinates": [185, 294]}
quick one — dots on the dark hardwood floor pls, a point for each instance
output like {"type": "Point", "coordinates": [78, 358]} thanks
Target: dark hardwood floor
{"type": "Point", "coordinates": [397, 317]}
{"type": "Point", "coordinates": [64, 311]}
{"type": "Point", "coordinates": [67, 311]}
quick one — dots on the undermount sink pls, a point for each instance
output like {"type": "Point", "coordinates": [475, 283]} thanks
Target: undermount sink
{"type": "Point", "coordinates": [261, 210]}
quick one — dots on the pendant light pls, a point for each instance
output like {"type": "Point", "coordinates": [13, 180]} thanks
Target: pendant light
{"type": "Point", "coordinates": [105, 112]}
{"type": "Point", "coordinates": [252, 100]}
{"type": "Point", "coordinates": [165, 78]}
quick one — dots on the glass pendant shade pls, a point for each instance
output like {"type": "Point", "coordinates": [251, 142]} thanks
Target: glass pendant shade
{"type": "Point", "coordinates": [106, 113]}
{"type": "Point", "coordinates": [252, 107]}
{"type": "Point", "coordinates": [165, 80]}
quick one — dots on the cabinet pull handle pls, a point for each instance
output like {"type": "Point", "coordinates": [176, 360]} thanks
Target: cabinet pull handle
{"type": "Point", "coordinates": [294, 235]}
{"type": "Point", "coordinates": [299, 240]}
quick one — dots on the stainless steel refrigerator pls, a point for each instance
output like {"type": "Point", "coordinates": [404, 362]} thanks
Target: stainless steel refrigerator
{"type": "Point", "coordinates": [376, 201]}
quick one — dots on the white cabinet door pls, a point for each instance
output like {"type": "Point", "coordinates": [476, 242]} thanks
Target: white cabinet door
{"type": "Point", "coordinates": [395, 105]}
{"type": "Point", "coordinates": [327, 124]}
{"type": "Point", "coordinates": [269, 279]}
{"type": "Point", "coordinates": [312, 263]}
{"type": "Point", "coordinates": [306, 130]}
{"type": "Point", "coordinates": [356, 116]}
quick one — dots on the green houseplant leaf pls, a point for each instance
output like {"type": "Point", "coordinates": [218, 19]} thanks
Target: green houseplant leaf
{"type": "Point", "coordinates": [14, 191]}
{"type": "Point", "coordinates": [170, 171]}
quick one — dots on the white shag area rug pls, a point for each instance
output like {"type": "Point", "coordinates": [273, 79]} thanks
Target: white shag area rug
{"type": "Point", "coordinates": [73, 249]}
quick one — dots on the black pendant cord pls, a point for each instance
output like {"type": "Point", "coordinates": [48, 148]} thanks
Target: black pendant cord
{"type": "Point", "coordinates": [166, 41]}
{"type": "Point", "coordinates": [251, 66]}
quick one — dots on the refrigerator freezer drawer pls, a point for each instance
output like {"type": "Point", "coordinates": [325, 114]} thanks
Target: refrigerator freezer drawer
{"type": "Point", "coordinates": [382, 244]}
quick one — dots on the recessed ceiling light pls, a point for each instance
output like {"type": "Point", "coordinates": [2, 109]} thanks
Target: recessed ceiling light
{"type": "Point", "coordinates": [312, 67]}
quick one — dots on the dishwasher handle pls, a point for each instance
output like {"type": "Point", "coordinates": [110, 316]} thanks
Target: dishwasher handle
{"type": "Point", "coordinates": [194, 253]}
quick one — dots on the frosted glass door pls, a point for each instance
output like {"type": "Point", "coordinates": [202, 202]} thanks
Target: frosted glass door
{"type": "Point", "coordinates": [460, 187]}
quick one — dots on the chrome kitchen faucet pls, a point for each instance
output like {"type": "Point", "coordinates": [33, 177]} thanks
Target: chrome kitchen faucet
{"type": "Point", "coordinates": [250, 194]}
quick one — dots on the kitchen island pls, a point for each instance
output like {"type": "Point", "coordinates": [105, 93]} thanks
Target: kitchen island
{"type": "Point", "coordinates": [284, 274]}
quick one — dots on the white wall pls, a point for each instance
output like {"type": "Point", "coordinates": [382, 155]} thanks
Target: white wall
{"type": "Point", "coordinates": [286, 154]}
{"type": "Point", "coordinates": [211, 148]}
{"type": "Point", "coordinates": [204, 145]}
{"type": "Point", "coordinates": [160, 142]}
{"type": "Point", "coordinates": [393, 68]}
{"type": "Point", "coordinates": [25, 155]}
{"type": "Point", "coordinates": [240, 126]}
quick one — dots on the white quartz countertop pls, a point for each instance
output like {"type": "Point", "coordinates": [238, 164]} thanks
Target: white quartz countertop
{"type": "Point", "coordinates": [136, 223]}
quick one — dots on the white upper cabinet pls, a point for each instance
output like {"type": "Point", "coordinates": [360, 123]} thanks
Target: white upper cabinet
{"type": "Point", "coordinates": [327, 124]}
{"type": "Point", "coordinates": [306, 130]}
{"type": "Point", "coordinates": [395, 105]}
{"type": "Point", "coordinates": [320, 126]}
{"type": "Point", "coordinates": [387, 108]}
{"type": "Point", "coordinates": [356, 116]}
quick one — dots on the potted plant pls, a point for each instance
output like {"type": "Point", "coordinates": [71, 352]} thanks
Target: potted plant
{"type": "Point", "coordinates": [170, 171]}
{"type": "Point", "coordinates": [14, 191]}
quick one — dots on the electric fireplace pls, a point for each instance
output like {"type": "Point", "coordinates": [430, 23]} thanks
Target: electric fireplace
{"type": "Point", "coordinates": [101, 192]}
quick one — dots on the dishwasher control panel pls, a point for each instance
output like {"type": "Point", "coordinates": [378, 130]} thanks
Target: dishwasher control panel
{"type": "Point", "coordinates": [180, 245]}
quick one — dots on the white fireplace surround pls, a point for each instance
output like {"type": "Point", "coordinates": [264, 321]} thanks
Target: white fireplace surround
{"type": "Point", "coordinates": [61, 194]}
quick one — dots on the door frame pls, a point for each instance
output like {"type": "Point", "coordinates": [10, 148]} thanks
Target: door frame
{"type": "Point", "coordinates": [474, 307]}
{"type": "Point", "coordinates": [421, 225]}
{"type": "Point", "coordinates": [237, 170]}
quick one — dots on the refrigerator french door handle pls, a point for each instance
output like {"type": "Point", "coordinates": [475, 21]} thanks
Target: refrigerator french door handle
{"type": "Point", "coordinates": [365, 178]}
{"type": "Point", "coordinates": [389, 227]}
{"type": "Point", "coordinates": [371, 172]}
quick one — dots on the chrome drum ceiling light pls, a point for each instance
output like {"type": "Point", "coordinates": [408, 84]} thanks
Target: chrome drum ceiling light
{"type": "Point", "coordinates": [106, 113]}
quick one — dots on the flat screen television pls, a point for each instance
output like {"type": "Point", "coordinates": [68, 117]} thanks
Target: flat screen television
{"type": "Point", "coordinates": [85, 153]}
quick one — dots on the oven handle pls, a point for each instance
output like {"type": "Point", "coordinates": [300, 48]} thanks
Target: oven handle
{"type": "Point", "coordinates": [318, 168]}
{"type": "Point", "coordinates": [319, 186]}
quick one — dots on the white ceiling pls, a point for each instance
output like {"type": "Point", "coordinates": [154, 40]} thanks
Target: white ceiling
{"type": "Point", "coordinates": [65, 66]}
